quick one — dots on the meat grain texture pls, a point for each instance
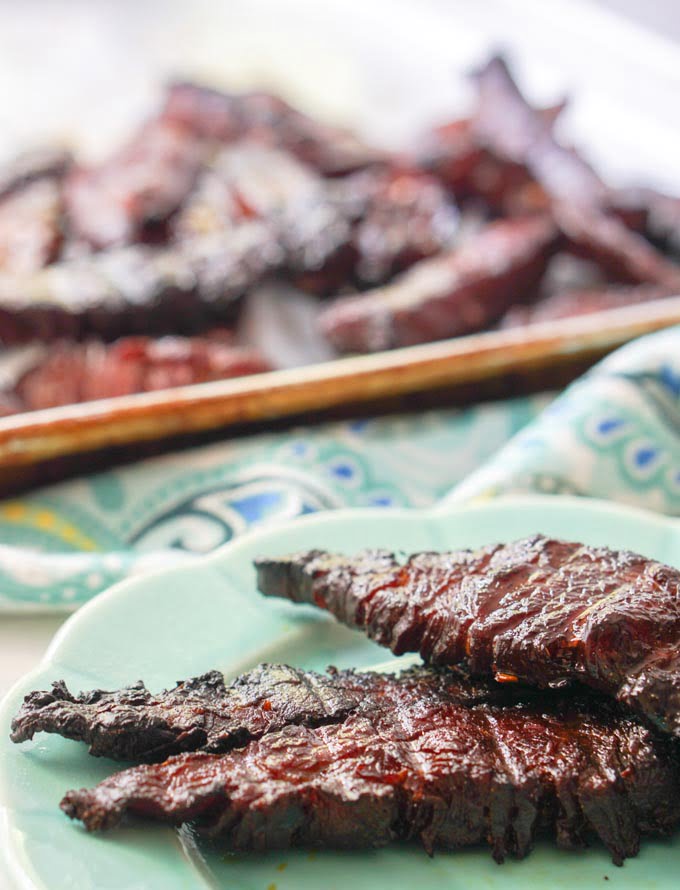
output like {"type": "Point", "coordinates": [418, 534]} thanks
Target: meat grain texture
{"type": "Point", "coordinates": [425, 757]}
{"type": "Point", "coordinates": [545, 611]}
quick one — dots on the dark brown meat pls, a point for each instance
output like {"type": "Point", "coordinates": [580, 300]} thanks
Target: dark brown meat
{"type": "Point", "coordinates": [420, 760]}
{"type": "Point", "coordinates": [200, 714]}
{"type": "Point", "coordinates": [269, 119]}
{"type": "Point", "coordinates": [248, 180]}
{"type": "Point", "coordinates": [359, 230]}
{"type": "Point", "coordinates": [506, 123]}
{"type": "Point", "coordinates": [403, 215]}
{"type": "Point", "coordinates": [622, 253]}
{"type": "Point", "coordinates": [567, 304]}
{"type": "Point", "coordinates": [464, 161]}
{"type": "Point", "coordinates": [130, 197]}
{"type": "Point", "coordinates": [541, 610]}
{"type": "Point", "coordinates": [67, 373]}
{"type": "Point", "coordinates": [454, 293]}
{"type": "Point", "coordinates": [139, 289]}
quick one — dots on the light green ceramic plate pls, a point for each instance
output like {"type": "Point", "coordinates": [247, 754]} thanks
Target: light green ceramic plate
{"type": "Point", "coordinates": [178, 623]}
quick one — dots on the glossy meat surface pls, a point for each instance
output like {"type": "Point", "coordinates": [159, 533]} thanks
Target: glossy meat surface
{"type": "Point", "coordinates": [67, 373]}
{"type": "Point", "coordinates": [421, 760]}
{"type": "Point", "coordinates": [227, 117]}
{"type": "Point", "coordinates": [203, 713]}
{"type": "Point", "coordinates": [138, 289]}
{"type": "Point", "coordinates": [129, 198]}
{"type": "Point", "coordinates": [623, 254]}
{"type": "Point", "coordinates": [454, 293]}
{"type": "Point", "coordinates": [506, 123]}
{"type": "Point", "coordinates": [250, 181]}
{"type": "Point", "coordinates": [539, 610]}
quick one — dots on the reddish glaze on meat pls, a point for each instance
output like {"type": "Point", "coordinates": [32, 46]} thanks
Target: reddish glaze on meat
{"type": "Point", "coordinates": [402, 215]}
{"type": "Point", "coordinates": [251, 181]}
{"type": "Point", "coordinates": [139, 289]}
{"type": "Point", "coordinates": [227, 117]}
{"type": "Point", "coordinates": [68, 373]}
{"type": "Point", "coordinates": [622, 253]}
{"type": "Point", "coordinates": [129, 198]}
{"type": "Point", "coordinates": [455, 293]}
{"type": "Point", "coordinates": [463, 158]}
{"type": "Point", "coordinates": [421, 758]}
{"type": "Point", "coordinates": [359, 230]}
{"type": "Point", "coordinates": [506, 123]}
{"type": "Point", "coordinates": [543, 610]}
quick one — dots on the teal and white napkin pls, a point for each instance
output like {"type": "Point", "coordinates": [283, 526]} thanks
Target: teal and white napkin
{"type": "Point", "coordinates": [615, 433]}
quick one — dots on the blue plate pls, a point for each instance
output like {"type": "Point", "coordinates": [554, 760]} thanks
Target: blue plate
{"type": "Point", "coordinates": [183, 621]}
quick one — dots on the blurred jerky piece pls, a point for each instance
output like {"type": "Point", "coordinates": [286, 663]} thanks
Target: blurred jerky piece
{"type": "Point", "coordinates": [454, 293]}
{"type": "Point", "coordinates": [404, 216]}
{"type": "Point", "coordinates": [505, 123]}
{"type": "Point", "coordinates": [129, 198]}
{"type": "Point", "coordinates": [622, 253]}
{"type": "Point", "coordinates": [360, 229]}
{"type": "Point", "coordinates": [463, 161]}
{"type": "Point", "coordinates": [249, 180]}
{"type": "Point", "coordinates": [29, 166]}
{"type": "Point", "coordinates": [397, 215]}
{"type": "Point", "coordinates": [584, 302]}
{"type": "Point", "coordinates": [138, 289]}
{"type": "Point", "coordinates": [580, 200]}
{"type": "Point", "coordinates": [68, 372]}
{"type": "Point", "coordinates": [269, 119]}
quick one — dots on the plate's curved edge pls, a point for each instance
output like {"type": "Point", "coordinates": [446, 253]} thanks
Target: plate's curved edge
{"type": "Point", "coordinates": [13, 866]}
{"type": "Point", "coordinates": [445, 508]}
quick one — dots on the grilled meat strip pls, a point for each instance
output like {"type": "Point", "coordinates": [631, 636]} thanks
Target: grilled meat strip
{"type": "Point", "coordinates": [138, 289]}
{"type": "Point", "coordinates": [539, 610]}
{"type": "Point", "coordinates": [251, 181]}
{"type": "Point", "coordinates": [461, 156]}
{"type": "Point", "coordinates": [506, 123]}
{"type": "Point", "coordinates": [451, 294]}
{"type": "Point", "coordinates": [420, 759]}
{"type": "Point", "coordinates": [201, 714]}
{"type": "Point", "coordinates": [66, 373]}
{"type": "Point", "coordinates": [225, 117]}
{"type": "Point", "coordinates": [360, 230]}
{"type": "Point", "coordinates": [570, 303]}
{"type": "Point", "coordinates": [623, 254]}
{"type": "Point", "coordinates": [130, 197]}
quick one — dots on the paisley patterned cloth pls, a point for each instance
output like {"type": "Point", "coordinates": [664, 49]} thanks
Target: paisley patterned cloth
{"type": "Point", "coordinates": [615, 433]}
